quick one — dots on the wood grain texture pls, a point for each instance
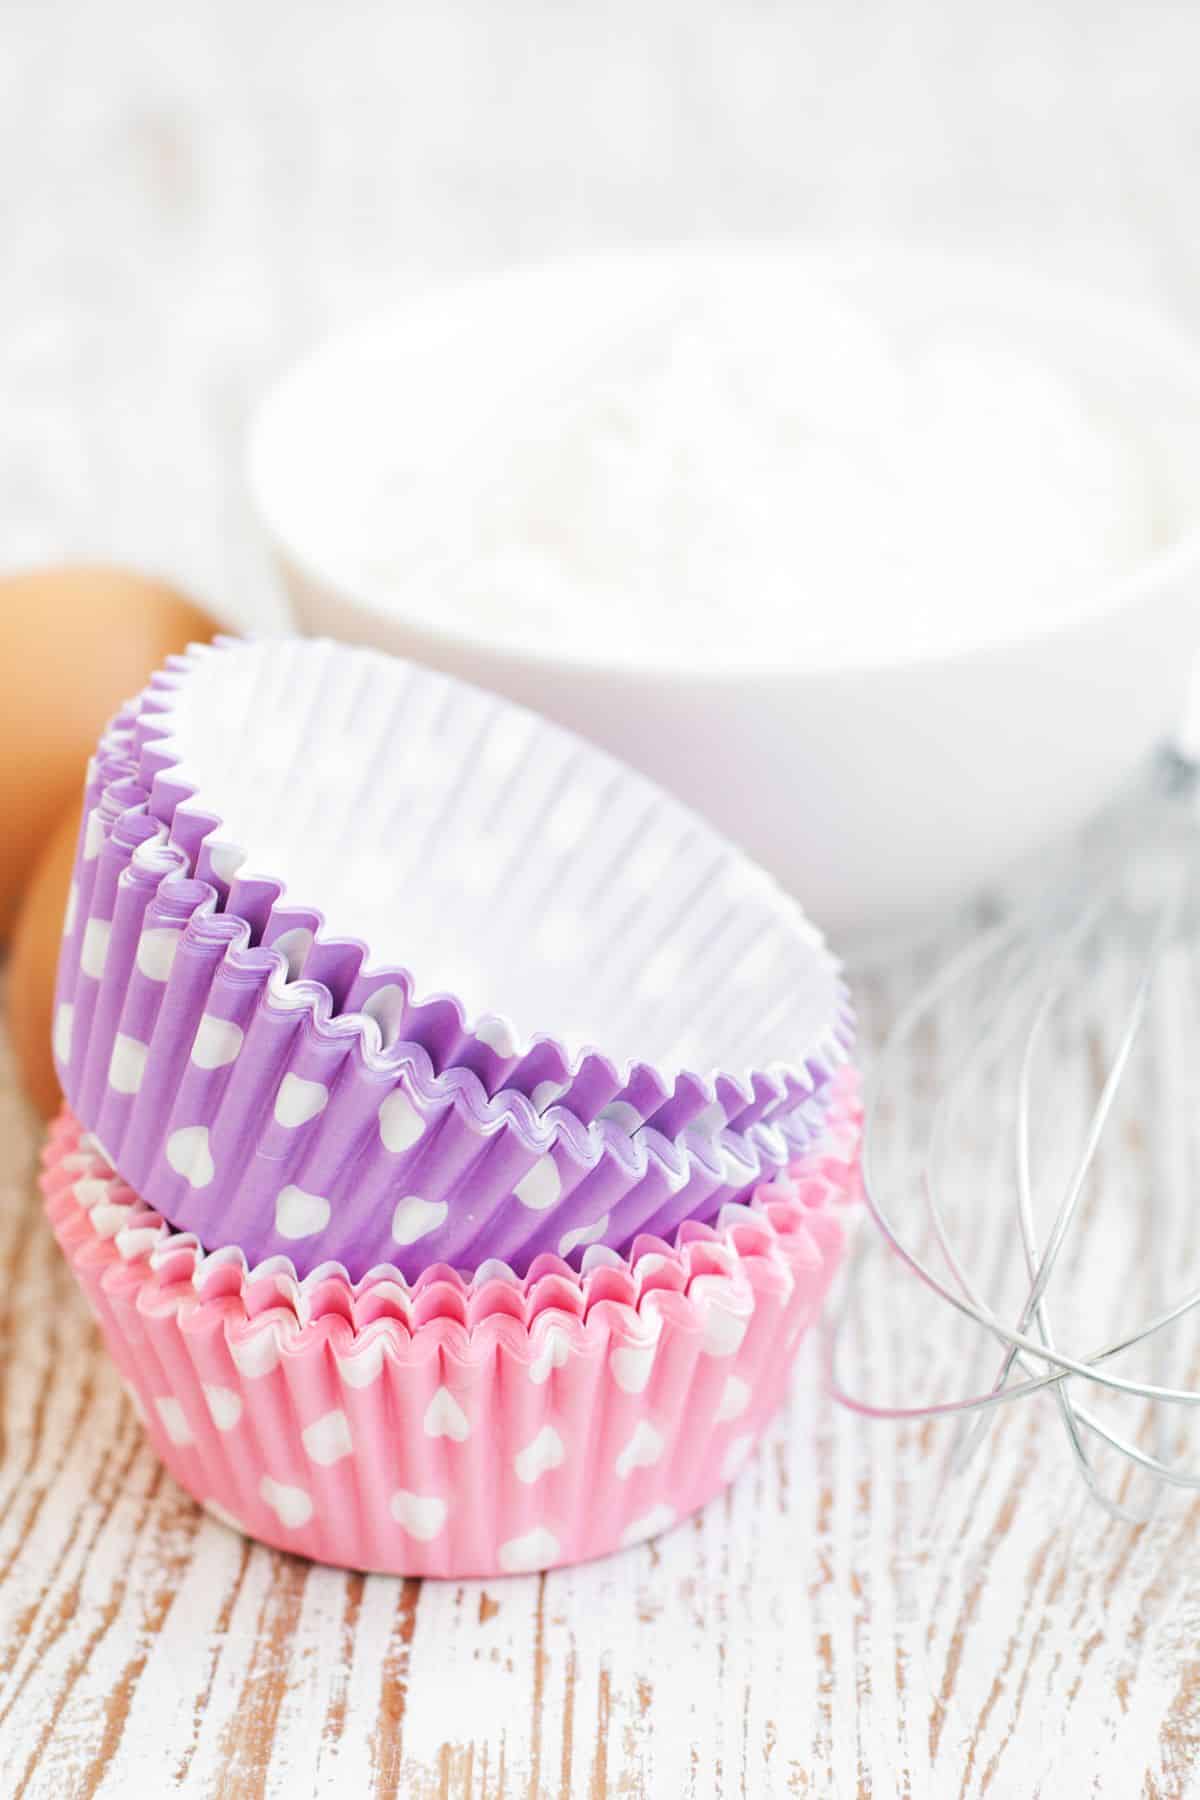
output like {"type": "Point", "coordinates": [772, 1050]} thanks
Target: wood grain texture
{"type": "Point", "coordinates": [849, 1619]}
{"type": "Point", "coordinates": [189, 194]}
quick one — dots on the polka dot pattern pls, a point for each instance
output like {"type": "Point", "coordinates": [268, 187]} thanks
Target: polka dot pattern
{"type": "Point", "coordinates": [420, 1515]}
{"type": "Point", "coordinates": [188, 1153]}
{"type": "Point", "coordinates": [415, 1218]}
{"type": "Point", "coordinates": [536, 1549]}
{"type": "Point", "coordinates": [292, 1506]}
{"type": "Point", "coordinates": [225, 1405]}
{"type": "Point", "coordinates": [299, 1214]}
{"type": "Point", "coordinates": [328, 1438]}
{"type": "Point", "coordinates": [373, 1427]}
{"type": "Point", "coordinates": [543, 1452]}
{"type": "Point", "coordinates": [444, 1417]}
{"type": "Point", "coordinates": [94, 952]}
{"type": "Point", "coordinates": [299, 1100]}
{"type": "Point", "coordinates": [642, 1451]}
{"type": "Point", "coordinates": [216, 1043]}
{"type": "Point", "coordinates": [541, 1186]}
{"type": "Point", "coordinates": [173, 1420]}
{"type": "Point", "coordinates": [127, 1064]}
{"type": "Point", "coordinates": [156, 953]}
{"type": "Point", "coordinates": [400, 1124]}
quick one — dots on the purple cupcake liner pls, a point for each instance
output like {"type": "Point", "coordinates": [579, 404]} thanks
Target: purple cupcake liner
{"type": "Point", "coordinates": [259, 1086]}
{"type": "Point", "coordinates": [240, 1108]}
{"type": "Point", "coordinates": [721, 920]}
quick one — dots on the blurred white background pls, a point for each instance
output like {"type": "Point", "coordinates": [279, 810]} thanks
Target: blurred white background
{"type": "Point", "coordinates": [190, 195]}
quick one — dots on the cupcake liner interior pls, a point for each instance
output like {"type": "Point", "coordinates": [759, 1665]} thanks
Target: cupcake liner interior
{"type": "Point", "coordinates": [502, 860]}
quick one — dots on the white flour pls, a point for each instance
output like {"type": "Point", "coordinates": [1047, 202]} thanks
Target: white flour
{"type": "Point", "coordinates": [763, 473]}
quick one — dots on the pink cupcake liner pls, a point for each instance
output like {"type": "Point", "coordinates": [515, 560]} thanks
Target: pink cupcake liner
{"type": "Point", "coordinates": [456, 1426]}
{"type": "Point", "coordinates": [236, 1102]}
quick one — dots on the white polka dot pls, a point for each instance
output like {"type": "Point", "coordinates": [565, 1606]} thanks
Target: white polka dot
{"type": "Point", "coordinates": [642, 1451]}
{"type": "Point", "coordinates": [293, 1506]}
{"type": "Point", "coordinates": [498, 1035]}
{"type": "Point", "coordinates": [216, 1511]}
{"type": "Point", "coordinates": [444, 1417]}
{"type": "Point", "coordinates": [723, 1332]}
{"type": "Point", "coordinates": [659, 1518]}
{"type": "Point", "coordinates": [127, 1064]}
{"type": "Point", "coordinates": [93, 837]}
{"type": "Point", "coordinates": [93, 953]}
{"type": "Point", "coordinates": [72, 909]}
{"type": "Point", "coordinates": [256, 1354]}
{"type": "Point", "coordinates": [64, 1020]}
{"type": "Point", "coordinates": [543, 1452]}
{"type": "Point", "coordinates": [415, 1218]}
{"type": "Point", "coordinates": [156, 952]}
{"type": "Point", "coordinates": [535, 1550]}
{"type": "Point", "coordinates": [300, 1215]}
{"type": "Point", "coordinates": [293, 946]}
{"type": "Point", "coordinates": [224, 1405]}
{"type": "Point", "coordinates": [735, 1398]}
{"type": "Point", "coordinates": [299, 1100]}
{"type": "Point", "coordinates": [362, 1367]}
{"type": "Point", "coordinates": [174, 1422]}
{"type": "Point", "coordinates": [736, 1456]}
{"type": "Point", "coordinates": [189, 1155]}
{"type": "Point", "coordinates": [421, 1515]}
{"type": "Point", "coordinates": [545, 1094]}
{"type": "Point", "coordinates": [586, 1234]}
{"type": "Point", "coordinates": [552, 1355]}
{"type": "Point", "coordinates": [328, 1438]}
{"type": "Point", "coordinates": [217, 1042]}
{"type": "Point", "coordinates": [400, 1124]}
{"type": "Point", "coordinates": [631, 1366]}
{"type": "Point", "coordinates": [541, 1186]}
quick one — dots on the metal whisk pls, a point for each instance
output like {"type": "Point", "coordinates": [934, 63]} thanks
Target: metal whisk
{"type": "Point", "coordinates": [1000, 1013]}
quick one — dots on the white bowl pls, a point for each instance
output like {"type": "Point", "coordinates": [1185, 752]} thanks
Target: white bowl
{"type": "Point", "coordinates": [872, 786]}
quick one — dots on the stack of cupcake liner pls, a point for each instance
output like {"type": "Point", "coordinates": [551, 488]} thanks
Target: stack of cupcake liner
{"type": "Point", "coordinates": [379, 1259]}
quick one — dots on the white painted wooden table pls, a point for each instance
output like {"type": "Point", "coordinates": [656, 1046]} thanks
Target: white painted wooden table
{"type": "Point", "coordinates": [188, 195]}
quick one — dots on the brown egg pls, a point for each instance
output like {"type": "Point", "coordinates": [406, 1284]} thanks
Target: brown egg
{"type": "Point", "coordinates": [74, 643]}
{"type": "Point", "coordinates": [33, 960]}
